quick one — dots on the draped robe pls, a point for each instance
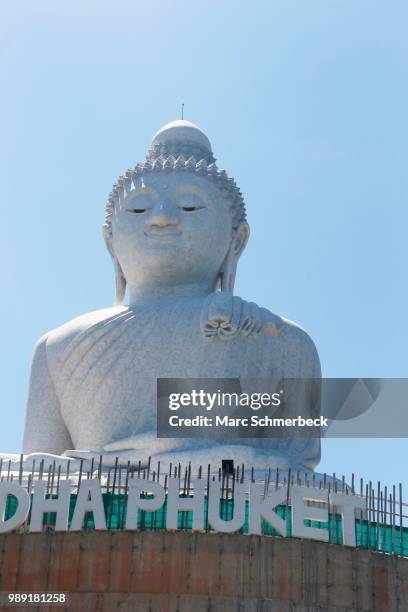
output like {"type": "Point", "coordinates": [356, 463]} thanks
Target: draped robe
{"type": "Point", "coordinates": [93, 380]}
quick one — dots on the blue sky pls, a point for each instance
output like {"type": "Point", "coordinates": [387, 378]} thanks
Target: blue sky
{"type": "Point", "coordinates": [305, 104]}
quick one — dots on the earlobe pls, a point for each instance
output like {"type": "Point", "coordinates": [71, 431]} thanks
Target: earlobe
{"type": "Point", "coordinates": [120, 281]}
{"type": "Point", "coordinates": [229, 268]}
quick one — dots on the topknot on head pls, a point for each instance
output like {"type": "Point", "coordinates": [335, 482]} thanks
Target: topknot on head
{"type": "Point", "coordinates": [181, 138]}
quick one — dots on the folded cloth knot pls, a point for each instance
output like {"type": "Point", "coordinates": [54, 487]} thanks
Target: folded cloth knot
{"type": "Point", "coordinates": [226, 315]}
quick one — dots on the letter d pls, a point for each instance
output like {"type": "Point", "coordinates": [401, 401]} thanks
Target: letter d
{"type": "Point", "coordinates": [23, 505]}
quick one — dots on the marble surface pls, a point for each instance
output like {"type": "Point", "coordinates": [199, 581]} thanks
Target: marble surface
{"type": "Point", "coordinates": [175, 229]}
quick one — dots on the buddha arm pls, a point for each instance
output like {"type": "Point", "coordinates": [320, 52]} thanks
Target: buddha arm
{"type": "Point", "coordinates": [45, 430]}
{"type": "Point", "coordinates": [306, 450]}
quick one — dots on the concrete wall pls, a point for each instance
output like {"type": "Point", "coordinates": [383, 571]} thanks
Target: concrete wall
{"type": "Point", "coordinates": [198, 572]}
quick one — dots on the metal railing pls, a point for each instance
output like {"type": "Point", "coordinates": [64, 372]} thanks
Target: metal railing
{"type": "Point", "coordinates": [380, 527]}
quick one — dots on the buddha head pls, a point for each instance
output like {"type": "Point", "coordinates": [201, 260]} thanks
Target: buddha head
{"type": "Point", "coordinates": [175, 221]}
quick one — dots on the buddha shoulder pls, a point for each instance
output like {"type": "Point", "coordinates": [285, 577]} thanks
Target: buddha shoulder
{"type": "Point", "coordinates": [293, 342]}
{"type": "Point", "coordinates": [226, 315]}
{"type": "Point", "coordinates": [56, 342]}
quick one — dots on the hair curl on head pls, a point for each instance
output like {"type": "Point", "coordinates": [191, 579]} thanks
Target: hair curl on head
{"type": "Point", "coordinates": [227, 186]}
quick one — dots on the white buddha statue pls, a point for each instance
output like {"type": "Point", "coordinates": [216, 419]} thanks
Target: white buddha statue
{"type": "Point", "coordinates": [175, 229]}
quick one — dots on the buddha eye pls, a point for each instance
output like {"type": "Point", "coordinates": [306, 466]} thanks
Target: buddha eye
{"type": "Point", "coordinates": [137, 211]}
{"type": "Point", "coordinates": [190, 208]}
{"type": "Point", "coordinates": [139, 203]}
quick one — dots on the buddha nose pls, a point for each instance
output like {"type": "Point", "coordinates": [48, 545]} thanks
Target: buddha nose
{"type": "Point", "coordinates": [163, 215]}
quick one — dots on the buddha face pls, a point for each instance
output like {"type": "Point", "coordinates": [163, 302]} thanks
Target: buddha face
{"type": "Point", "coordinates": [173, 229]}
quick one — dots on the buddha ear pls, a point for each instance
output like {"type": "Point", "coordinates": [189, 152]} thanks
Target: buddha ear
{"type": "Point", "coordinates": [120, 281]}
{"type": "Point", "coordinates": [240, 239]}
{"type": "Point", "coordinates": [107, 236]}
{"type": "Point", "coordinates": [229, 267]}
